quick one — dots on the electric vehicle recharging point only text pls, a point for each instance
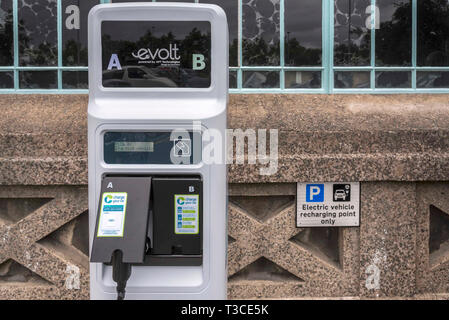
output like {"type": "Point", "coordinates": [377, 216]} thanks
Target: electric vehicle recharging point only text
{"type": "Point", "coordinates": [158, 83]}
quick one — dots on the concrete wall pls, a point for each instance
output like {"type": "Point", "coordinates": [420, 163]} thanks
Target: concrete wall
{"type": "Point", "coordinates": [397, 146]}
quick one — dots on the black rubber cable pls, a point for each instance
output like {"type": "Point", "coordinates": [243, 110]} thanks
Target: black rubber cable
{"type": "Point", "coordinates": [120, 273]}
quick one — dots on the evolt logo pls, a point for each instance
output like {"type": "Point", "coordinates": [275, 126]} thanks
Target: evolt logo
{"type": "Point", "coordinates": [170, 53]}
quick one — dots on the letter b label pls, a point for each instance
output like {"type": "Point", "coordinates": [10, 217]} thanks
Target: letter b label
{"type": "Point", "coordinates": [198, 62]}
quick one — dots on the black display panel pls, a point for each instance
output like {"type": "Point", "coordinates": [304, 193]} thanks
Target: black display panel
{"type": "Point", "coordinates": [156, 54]}
{"type": "Point", "coordinates": [151, 148]}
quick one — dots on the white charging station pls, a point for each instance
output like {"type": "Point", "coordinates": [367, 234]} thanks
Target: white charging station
{"type": "Point", "coordinates": [158, 81]}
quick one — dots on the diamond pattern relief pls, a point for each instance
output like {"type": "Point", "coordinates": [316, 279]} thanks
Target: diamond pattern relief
{"type": "Point", "coordinates": [263, 208]}
{"type": "Point", "coordinates": [438, 235]}
{"type": "Point", "coordinates": [13, 272]}
{"type": "Point", "coordinates": [13, 209]}
{"type": "Point", "coordinates": [264, 270]}
{"type": "Point", "coordinates": [323, 242]}
{"type": "Point", "coordinates": [271, 258]}
{"type": "Point", "coordinates": [39, 246]}
{"type": "Point", "coordinates": [433, 238]}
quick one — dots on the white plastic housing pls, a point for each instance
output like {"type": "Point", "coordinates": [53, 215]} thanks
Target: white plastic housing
{"type": "Point", "coordinates": [140, 109]}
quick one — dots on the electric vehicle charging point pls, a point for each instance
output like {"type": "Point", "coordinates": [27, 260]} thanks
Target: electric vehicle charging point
{"type": "Point", "coordinates": [158, 84]}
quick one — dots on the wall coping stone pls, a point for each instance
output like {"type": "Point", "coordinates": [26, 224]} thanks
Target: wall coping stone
{"type": "Point", "coordinates": [43, 138]}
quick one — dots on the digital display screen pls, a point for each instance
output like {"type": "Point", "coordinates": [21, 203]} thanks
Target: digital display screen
{"type": "Point", "coordinates": [157, 147]}
{"type": "Point", "coordinates": [123, 146]}
{"type": "Point", "coordinates": [156, 54]}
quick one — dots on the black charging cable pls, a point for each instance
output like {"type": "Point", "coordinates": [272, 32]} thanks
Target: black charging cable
{"type": "Point", "coordinates": [120, 273]}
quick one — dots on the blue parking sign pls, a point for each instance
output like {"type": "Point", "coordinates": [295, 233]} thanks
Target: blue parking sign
{"type": "Point", "coordinates": [315, 193]}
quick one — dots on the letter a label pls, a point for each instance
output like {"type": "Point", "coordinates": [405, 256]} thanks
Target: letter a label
{"type": "Point", "coordinates": [114, 62]}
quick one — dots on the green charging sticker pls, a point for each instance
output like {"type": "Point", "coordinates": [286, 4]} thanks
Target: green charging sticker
{"type": "Point", "coordinates": [187, 213]}
{"type": "Point", "coordinates": [112, 214]}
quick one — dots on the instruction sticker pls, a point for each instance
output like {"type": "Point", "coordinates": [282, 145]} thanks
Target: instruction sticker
{"type": "Point", "coordinates": [112, 214]}
{"type": "Point", "coordinates": [186, 213]}
{"type": "Point", "coordinates": [328, 204]}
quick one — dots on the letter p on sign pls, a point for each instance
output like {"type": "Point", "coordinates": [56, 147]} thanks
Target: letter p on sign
{"type": "Point", "coordinates": [198, 62]}
{"type": "Point", "coordinates": [315, 193]}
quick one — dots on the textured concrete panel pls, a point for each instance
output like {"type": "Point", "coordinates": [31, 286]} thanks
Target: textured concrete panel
{"type": "Point", "coordinates": [43, 249]}
{"type": "Point", "coordinates": [433, 268]}
{"type": "Point", "coordinates": [388, 240]}
{"type": "Point", "coordinates": [37, 257]}
{"type": "Point", "coordinates": [307, 268]}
